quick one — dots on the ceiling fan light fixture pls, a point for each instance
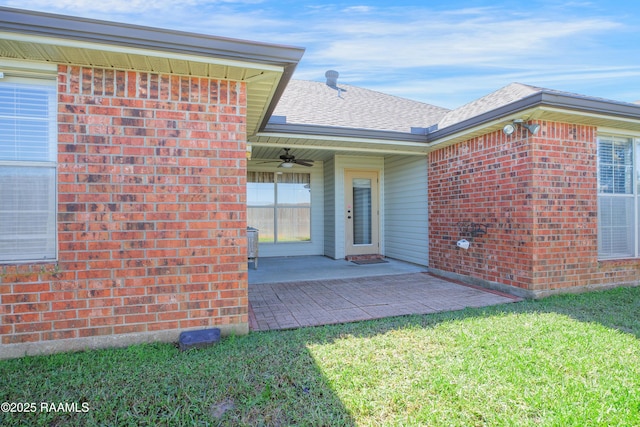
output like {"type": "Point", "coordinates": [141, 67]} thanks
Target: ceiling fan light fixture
{"type": "Point", "coordinates": [288, 160]}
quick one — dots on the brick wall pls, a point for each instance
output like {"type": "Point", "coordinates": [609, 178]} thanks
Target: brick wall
{"type": "Point", "coordinates": [537, 196]}
{"type": "Point", "coordinates": [151, 216]}
{"type": "Point", "coordinates": [565, 247]}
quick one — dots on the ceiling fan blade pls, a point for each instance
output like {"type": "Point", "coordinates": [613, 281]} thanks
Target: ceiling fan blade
{"type": "Point", "coordinates": [305, 160]}
{"type": "Point", "coordinates": [303, 163]}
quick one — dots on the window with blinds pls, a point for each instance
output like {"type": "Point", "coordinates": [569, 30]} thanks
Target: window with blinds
{"type": "Point", "coordinates": [27, 172]}
{"type": "Point", "coordinates": [617, 213]}
{"type": "Point", "coordinates": [279, 205]}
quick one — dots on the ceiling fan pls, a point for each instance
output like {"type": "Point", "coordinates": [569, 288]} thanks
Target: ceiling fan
{"type": "Point", "coordinates": [288, 160]}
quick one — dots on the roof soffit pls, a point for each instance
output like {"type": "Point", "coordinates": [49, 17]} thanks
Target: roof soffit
{"type": "Point", "coordinates": [58, 39]}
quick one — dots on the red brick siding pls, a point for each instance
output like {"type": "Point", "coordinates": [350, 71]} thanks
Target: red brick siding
{"type": "Point", "coordinates": [538, 196]}
{"type": "Point", "coordinates": [151, 211]}
{"type": "Point", "coordinates": [566, 204]}
{"type": "Point", "coordinates": [485, 180]}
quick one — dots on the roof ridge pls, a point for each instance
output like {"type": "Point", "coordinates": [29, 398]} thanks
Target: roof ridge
{"type": "Point", "coordinates": [498, 98]}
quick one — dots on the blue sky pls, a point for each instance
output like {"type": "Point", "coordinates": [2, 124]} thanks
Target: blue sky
{"type": "Point", "coordinates": [445, 53]}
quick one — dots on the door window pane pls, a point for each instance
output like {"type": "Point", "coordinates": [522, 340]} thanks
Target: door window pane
{"type": "Point", "coordinates": [362, 211]}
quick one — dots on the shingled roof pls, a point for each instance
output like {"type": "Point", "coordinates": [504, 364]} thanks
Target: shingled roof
{"type": "Point", "coordinates": [499, 98]}
{"type": "Point", "coordinates": [315, 103]}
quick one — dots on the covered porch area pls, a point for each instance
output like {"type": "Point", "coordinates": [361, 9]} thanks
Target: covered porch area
{"type": "Point", "coordinates": [293, 292]}
{"type": "Point", "coordinates": [342, 203]}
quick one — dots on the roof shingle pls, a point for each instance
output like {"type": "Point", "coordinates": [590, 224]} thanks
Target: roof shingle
{"type": "Point", "coordinates": [499, 98]}
{"type": "Point", "coordinates": [315, 103]}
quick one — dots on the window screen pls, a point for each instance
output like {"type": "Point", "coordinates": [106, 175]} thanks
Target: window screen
{"type": "Point", "coordinates": [27, 172]}
{"type": "Point", "coordinates": [616, 198]}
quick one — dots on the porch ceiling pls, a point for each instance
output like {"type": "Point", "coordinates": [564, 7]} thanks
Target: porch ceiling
{"type": "Point", "coordinates": [305, 149]}
{"type": "Point", "coordinates": [322, 143]}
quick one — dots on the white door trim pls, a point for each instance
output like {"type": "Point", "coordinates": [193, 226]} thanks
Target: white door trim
{"type": "Point", "coordinates": [362, 213]}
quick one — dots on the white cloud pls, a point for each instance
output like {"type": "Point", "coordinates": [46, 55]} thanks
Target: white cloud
{"type": "Point", "coordinates": [469, 41]}
{"type": "Point", "coordinates": [446, 57]}
{"type": "Point", "coordinates": [452, 57]}
{"type": "Point", "coordinates": [358, 9]}
{"type": "Point", "coordinates": [134, 7]}
{"type": "Point", "coordinates": [454, 91]}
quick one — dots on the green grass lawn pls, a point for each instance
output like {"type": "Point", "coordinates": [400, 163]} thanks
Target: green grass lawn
{"type": "Point", "coordinates": [571, 360]}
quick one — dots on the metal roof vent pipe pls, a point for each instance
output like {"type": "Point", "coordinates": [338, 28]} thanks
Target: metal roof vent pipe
{"type": "Point", "coordinates": [332, 81]}
{"type": "Point", "coordinates": [332, 78]}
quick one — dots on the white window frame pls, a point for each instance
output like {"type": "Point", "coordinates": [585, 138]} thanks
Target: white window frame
{"type": "Point", "coordinates": [50, 252]}
{"type": "Point", "coordinates": [633, 196]}
{"type": "Point", "coordinates": [277, 206]}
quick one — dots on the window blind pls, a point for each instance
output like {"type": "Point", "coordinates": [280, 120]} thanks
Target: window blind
{"type": "Point", "coordinates": [27, 172]}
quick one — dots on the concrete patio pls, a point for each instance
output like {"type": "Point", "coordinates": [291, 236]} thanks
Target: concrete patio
{"type": "Point", "coordinates": [315, 291]}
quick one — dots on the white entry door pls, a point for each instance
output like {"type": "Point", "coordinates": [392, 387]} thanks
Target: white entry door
{"type": "Point", "coordinates": [362, 213]}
